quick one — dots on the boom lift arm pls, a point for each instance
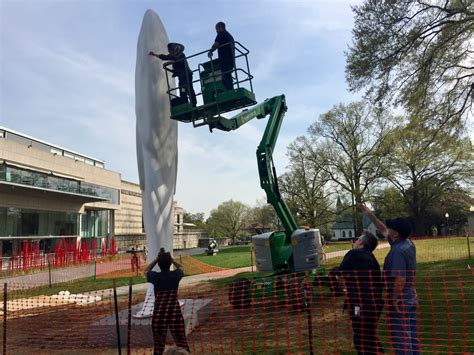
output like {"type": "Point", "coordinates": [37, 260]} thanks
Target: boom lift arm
{"type": "Point", "coordinates": [276, 108]}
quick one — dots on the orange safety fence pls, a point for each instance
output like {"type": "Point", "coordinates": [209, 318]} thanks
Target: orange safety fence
{"type": "Point", "coordinates": [292, 313]}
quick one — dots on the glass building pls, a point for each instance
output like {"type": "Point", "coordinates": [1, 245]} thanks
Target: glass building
{"type": "Point", "coordinates": [49, 194]}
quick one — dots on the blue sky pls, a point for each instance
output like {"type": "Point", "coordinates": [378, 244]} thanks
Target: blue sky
{"type": "Point", "coordinates": [67, 77]}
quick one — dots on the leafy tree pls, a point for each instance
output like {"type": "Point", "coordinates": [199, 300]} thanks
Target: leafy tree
{"type": "Point", "coordinates": [389, 203]}
{"type": "Point", "coordinates": [417, 52]}
{"type": "Point", "coordinates": [350, 143]}
{"type": "Point", "coordinates": [195, 218]}
{"type": "Point", "coordinates": [264, 215]}
{"type": "Point", "coordinates": [427, 165]}
{"type": "Point", "coordinates": [304, 186]}
{"type": "Point", "coordinates": [228, 219]}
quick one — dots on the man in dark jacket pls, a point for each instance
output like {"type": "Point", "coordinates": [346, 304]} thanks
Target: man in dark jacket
{"type": "Point", "coordinates": [224, 43]}
{"type": "Point", "coordinates": [181, 70]}
{"type": "Point", "coordinates": [167, 311]}
{"type": "Point", "coordinates": [363, 282]}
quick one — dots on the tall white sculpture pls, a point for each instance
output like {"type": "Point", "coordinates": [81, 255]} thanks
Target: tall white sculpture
{"type": "Point", "coordinates": [157, 139]}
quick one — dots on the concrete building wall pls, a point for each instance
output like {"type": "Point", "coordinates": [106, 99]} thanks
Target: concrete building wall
{"type": "Point", "coordinates": [129, 219]}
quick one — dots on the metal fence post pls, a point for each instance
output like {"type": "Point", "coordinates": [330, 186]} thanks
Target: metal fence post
{"type": "Point", "coordinates": [251, 257]}
{"type": "Point", "coordinates": [50, 278]}
{"type": "Point", "coordinates": [5, 289]}
{"type": "Point", "coordinates": [95, 269]}
{"type": "Point", "coordinates": [129, 328]}
{"type": "Point", "coordinates": [468, 245]}
{"type": "Point", "coordinates": [117, 319]}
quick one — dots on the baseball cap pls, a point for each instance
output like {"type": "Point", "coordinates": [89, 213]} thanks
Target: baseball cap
{"type": "Point", "coordinates": [400, 225]}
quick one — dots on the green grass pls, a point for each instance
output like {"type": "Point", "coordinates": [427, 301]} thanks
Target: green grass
{"type": "Point", "coordinates": [446, 301]}
{"type": "Point", "coordinates": [229, 258]}
{"type": "Point", "coordinates": [337, 246]}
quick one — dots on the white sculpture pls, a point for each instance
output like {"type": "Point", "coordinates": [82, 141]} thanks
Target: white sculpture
{"type": "Point", "coordinates": [157, 142]}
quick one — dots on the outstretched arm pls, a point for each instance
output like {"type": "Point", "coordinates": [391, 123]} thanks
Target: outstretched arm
{"type": "Point", "coordinates": [161, 56]}
{"type": "Point", "coordinates": [381, 227]}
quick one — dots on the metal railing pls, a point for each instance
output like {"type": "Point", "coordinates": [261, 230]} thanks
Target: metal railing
{"type": "Point", "coordinates": [239, 52]}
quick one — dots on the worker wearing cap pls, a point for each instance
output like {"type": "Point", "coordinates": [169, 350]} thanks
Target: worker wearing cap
{"type": "Point", "coordinates": [399, 272]}
{"type": "Point", "coordinates": [181, 70]}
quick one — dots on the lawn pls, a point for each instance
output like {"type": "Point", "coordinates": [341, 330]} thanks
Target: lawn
{"type": "Point", "coordinates": [240, 256]}
{"type": "Point", "coordinates": [446, 316]}
{"type": "Point", "coordinates": [229, 258]}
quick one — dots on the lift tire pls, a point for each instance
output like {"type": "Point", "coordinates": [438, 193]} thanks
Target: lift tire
{"type": "Point", "coordinates": [239, 293]}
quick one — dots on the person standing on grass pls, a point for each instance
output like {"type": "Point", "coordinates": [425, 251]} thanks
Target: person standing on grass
{"type": "Point", "coordinates": [167, 311]}
{"type": "Point", "coordinates": [360, 272]}
{"type": "Point", "coordinates": [399, 273]}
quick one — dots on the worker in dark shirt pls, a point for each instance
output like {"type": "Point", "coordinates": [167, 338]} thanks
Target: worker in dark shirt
{"type": "Point", "coordinates": [181, 70]}
{"type": "Point", "coordinates": [360, 272]}
{"type": "Point", "coordinates": [224, 43]}
{"type": "Point", "coordinates": [167, 311]}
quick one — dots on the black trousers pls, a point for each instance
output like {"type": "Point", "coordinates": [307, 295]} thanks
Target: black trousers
{"type": "Point", "coordinates": [186, 89]}
{"type": "Point", "coordinates": [168, 315]}
{"type": "Point", "coordinates": [364, 325]}
{"type": "Point", "coordinates": [226, 70]}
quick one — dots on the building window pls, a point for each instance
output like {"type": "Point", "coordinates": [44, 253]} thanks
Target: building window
{"type": "Point", "coordinates": [343, 234]}
{"type": "Point", "coordinates": [95, 223]}
{"type": "Point", "coordinates": [350, 234]}
{"type": "Point", "coordinates": [69, 155]}
{"type": "Point", "coordinates": [22, 222]}
{"type": "Point", "coordinates": [56, 151]}
{"type": "Point", "coordinates": [99, 165]}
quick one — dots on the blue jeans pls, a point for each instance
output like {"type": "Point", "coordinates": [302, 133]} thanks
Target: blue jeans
{"type": "Point", "coordinates": [403, 328]}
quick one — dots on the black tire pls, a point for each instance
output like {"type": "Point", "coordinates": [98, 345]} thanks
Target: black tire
{"type": "Point", "coordinates": [239, 293]}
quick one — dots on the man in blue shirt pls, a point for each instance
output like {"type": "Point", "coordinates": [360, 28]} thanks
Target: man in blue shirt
{"type": "Point", "coordinates": [167, 311]}
{"type": "Point", "coordinates": [224, 43]}
{"type": "Point", "coordinates": [360, 272]}
{"type": "Point", "coordinates": [399, 272]}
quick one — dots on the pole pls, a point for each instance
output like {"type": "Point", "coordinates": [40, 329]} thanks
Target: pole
{"type": "Point", "coordinates": [117, 320]}
{"type": "Point", "coordinates": [129, 328]}
{"type": "Point", "coordinates": [251, 257]}
{"type": "Point", "coordinates": [468, 245]}
{"type": "Point", "coordinates": [5, 318]}
{"type": "Point", "coordinates": [308, 312]}
{"type": "Point", "coordinates": [50, 278]}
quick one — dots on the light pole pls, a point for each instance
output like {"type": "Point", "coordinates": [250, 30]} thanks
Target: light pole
{"type": "Point", "coordinates": [447, 223]}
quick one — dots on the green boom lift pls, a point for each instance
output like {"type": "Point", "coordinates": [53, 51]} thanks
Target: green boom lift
{"type": "Point", "coordinates": [280, 252]}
